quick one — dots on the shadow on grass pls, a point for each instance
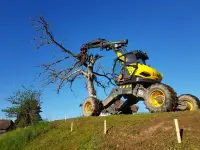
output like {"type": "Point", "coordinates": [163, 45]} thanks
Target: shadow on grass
{"type": "Point", "coordinates": [181, 134]}
{"type": "Point", "coordinates": [108, 130]}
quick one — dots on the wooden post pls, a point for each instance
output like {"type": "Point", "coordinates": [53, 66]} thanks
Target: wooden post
{"type": "Point", "coordinates": [65, 117]}
{"type": "Point", "coordinates": [71, 126]}
{"type": "Point", "coordinates": [105, 131]}
{"type": "Point", "coordinates": [177, 130]}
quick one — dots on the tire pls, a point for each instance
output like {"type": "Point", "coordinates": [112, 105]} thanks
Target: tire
{"type": "Point", "coordinates": [91, 107]}
{"type": "Point", "coordinates": [190, 100]}
{"type": "Point", "coordinates": [160, 98]}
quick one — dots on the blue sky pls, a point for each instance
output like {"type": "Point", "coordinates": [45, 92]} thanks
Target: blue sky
{"type": "Point", "coordinates": [168, 30]}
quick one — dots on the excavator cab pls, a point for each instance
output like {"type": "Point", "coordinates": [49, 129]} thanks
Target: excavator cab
{"type": "Point", "coordinates": [131, 68]}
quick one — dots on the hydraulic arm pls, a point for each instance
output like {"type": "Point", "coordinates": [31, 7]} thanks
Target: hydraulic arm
{"type": "Point", "coordinates": [116, 46]}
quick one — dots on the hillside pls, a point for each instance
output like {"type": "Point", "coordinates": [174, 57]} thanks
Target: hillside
{"type": "Point", "coordinates": [140, 131]}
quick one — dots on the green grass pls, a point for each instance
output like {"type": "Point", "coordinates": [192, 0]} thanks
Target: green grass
{"type": "Point", "coordinates": [141, 131]}
{"type": "Point", "coordinates": [15, 140]}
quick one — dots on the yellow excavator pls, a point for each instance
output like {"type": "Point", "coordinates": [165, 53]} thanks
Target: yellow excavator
{"type": "Point", "coordinates": [135, 81]}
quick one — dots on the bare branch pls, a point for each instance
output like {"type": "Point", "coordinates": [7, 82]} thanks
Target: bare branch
{"type": "Point", "coordinates": [93, 60]}
{"type": "Point", "coordinates": [83, 72]}
{"type": "Point", "coordinates": [56, 62]}
{"type": "Point", "coordinates": [45, 35]}
{"type": "Point", "coordinates": [101, 85]}
{"type": "Point", "coordinates": [70, 78]}
{"type": "Point", "coordinates": [105, 74]}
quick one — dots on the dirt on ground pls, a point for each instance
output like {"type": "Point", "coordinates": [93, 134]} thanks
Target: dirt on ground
{"type": "Point", "coordinates": [157, 133]}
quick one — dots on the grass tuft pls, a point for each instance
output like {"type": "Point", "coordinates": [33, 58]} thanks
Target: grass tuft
{"type": "Point", "coordinates": [15, 140]}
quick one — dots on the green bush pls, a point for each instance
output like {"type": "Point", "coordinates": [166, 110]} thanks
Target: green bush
{"type": "Point", "coordinates": [18, 138]}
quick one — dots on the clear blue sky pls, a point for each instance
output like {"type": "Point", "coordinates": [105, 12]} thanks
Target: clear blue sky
{"type": "Point", "coordinates": [168, 30]}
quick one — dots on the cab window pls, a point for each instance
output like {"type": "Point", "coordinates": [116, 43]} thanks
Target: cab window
{"type": "Point", "coordinates": [130, 58]}
{"type": "Point", "coordinates": [142, 61]}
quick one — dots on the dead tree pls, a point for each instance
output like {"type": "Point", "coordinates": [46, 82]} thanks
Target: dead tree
{"type": "Point", "coordinates": [79, 68]}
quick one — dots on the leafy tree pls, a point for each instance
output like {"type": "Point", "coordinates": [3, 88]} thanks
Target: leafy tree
{"type": "Point", "coordinates": [26, 107]}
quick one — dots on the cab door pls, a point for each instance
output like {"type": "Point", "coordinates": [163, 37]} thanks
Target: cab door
{"type": "Point", "coordinates": [130, 66]}
{"type": "Point", "coordinates": [124, 67]}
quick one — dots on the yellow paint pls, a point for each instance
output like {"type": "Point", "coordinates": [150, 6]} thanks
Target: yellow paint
{"type": "Point", "coordinates": [88, 107]}
{"type": "Point", "coordinates": [190, 104]}
{"type": "Point", "coordinates": [153, 97]}
{"type": "Point", "coordinates": [125, 86]}
{"type": "Point", "coordinates": [120, 77]}
{"type": "Point", "coordinates": [119, 55]}
{"type": "Point", "coordinates": [154, 74]}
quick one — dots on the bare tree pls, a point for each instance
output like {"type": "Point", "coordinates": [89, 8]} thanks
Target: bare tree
{"type": "Point", "coordinates": [80, 67]}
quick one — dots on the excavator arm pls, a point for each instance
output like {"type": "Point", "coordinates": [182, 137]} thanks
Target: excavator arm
{"type": "Point", "coordinates": [116, 46]}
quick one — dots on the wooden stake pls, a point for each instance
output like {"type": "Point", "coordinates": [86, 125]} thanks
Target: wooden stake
{"type": "Point", "coordinates": [105, 131]}
{"type": "Point", "coordinates": [71, 126]}
{"type": "Point", "coordinates": [65, 117]}
{"type": "Point", "coordinates": [177, 130]}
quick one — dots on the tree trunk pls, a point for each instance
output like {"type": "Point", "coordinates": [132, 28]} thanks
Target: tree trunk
{"type": "Point", "coordinates": [90, 85]}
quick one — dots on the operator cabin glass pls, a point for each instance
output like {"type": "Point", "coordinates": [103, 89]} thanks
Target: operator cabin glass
{"type": "Point", "coordinates": [130, 58]}
{"type": "Point", "coordinates": [118, 68]}
{"type": "Point", "coordinates": [142, 61]}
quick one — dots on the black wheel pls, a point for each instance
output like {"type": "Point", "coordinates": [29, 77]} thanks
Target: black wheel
{"type": "Point", "coordinates": [91, 107]}
{"type": "Point", "coordinates": [160, 98]}
{"type": "Point", "coordinates": [189, 102]}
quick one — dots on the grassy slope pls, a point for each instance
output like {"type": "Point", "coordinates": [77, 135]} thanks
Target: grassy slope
{"type": "Point", "coordinates": [141, 131]}
{"type": "Point", "coordinates": [14, 140]}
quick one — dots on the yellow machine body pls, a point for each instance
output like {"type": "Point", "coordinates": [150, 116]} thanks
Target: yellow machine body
{"type": "Point", "coordinates": [145, 71]}
{"type": "Point", "coordinates": [142, 70]}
